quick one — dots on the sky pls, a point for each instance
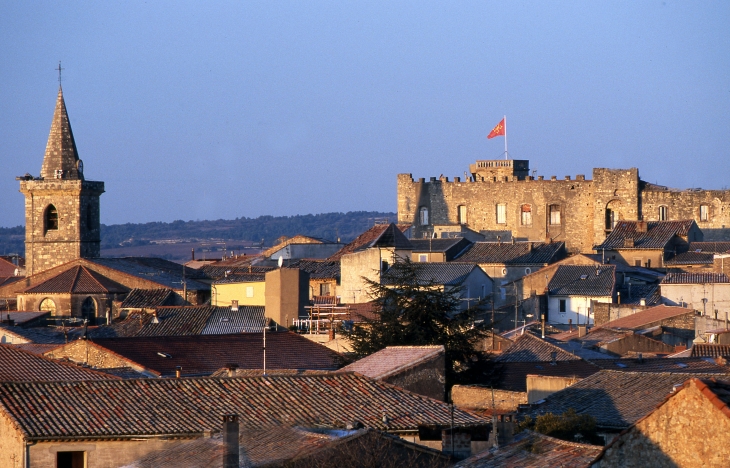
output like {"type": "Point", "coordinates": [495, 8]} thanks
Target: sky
{"type": "Point", "coordinates": [218, 110]}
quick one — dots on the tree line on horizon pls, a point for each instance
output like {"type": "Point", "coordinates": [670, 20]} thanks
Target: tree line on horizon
{"type": "Point", "coordinates": [330, 226]}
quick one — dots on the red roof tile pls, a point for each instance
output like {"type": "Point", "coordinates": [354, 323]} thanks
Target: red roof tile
{"type": "Point", "coordinates": [645, 318]}
{"type": "Point", "coordinates": [78, 280]}
{"type": "Point", "coordinates": [23, 366]}
{"type": "Point", "coordinates": [365, 239]}
{"type": "Point", "coordinates": [393, 360]}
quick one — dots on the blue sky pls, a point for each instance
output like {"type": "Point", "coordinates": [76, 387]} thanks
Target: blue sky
{"type": "Point", "coordinates": [208, 110]}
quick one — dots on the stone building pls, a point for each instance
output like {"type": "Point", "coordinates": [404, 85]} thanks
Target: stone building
{"type": "Point", "coordinates": [62, 221]}
{"type": "Point", "coordinates": [501, 195]}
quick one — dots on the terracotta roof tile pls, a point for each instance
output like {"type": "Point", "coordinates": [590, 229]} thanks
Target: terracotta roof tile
{"type": "Point", "coordinates": [205, 354]}
{"type": "Point", "coordinates": [691, 258]}
{"type": "Point", "coordinates": [78, 280]}
{"type": "Point", "coordinates": [446, 273]}
{"type": "Point", "coordinates": [710, 350]}
{"type": "Point", "coordinates": [658, 234]}
{"type": "Point", "coordinates": [615, 399]}
{"type": "Point", "coordinates": [147, 298]}
{"type": "Point", "coordinates": [393, 360]}
{"type": "Point", "coordinates": [534, 450]}
{"type": "Point", "coordinates": [683, 365]}
{"type": "Point", "coordinates": [709, 247]}
{"type": "Point", "coordinates": [529, 348]}
{"type": "Point", "coordinates": [513, 375]}
{"type": "Point", "coordinates": [695, 278]}
{"type": "Point", "coordinates": [318, 269]}
{"type": "Point", "coordinates": [519, 253]}
{"type": "Point", "coordinates": [582, 280]}
{"type": "Point", "coordinates": [647, 317]}
{"type": "Point", "coordinates": [23, 366]}
{"type": "Point", "coordinates": [191, 406]}
{"type": "Point", "coordinates": [365, 239]}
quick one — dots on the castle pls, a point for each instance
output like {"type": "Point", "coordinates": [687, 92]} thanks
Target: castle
{"type": "Point", "coordinates": [502, 196]}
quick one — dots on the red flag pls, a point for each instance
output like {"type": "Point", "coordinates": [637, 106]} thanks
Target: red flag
{"type": "Point", "coordinates": [497, 131]}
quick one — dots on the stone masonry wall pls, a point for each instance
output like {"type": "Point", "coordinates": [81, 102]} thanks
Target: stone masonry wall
{"type": "Point", "coordinates": [85, 352]}
{"type": "Point", "coordinates": [480, 398]}
{"type": "Point", "coordinates": [606, 312]}
{"type": "Point", "coordinates": [12, 444]}
{"type": "Point", "coordinates": [78, 233]}
{"type": "Point", "coordinates": [100, 453]}
{"type": "Point", "coordinates": [686, 431]}
{"type": "Point", "coordinates": [428, 378]}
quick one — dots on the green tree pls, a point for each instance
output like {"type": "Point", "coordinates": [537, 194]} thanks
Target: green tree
{"type": "Point", "coordinates": [567, 426]}
{"type": "Point", "coordinates": [412, 311]}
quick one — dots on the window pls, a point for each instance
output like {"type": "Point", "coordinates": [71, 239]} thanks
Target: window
{"type": "Point", "coordinates": [501, 214]}
{"type": "Point", "coordinates": [648, 263]}
{"type": "Point", "coordinates": [51, 218]}
{"type": "Point", "coordinates": [704, 212]}
{"type": "Point", "coordinates": [324, 289]}
{"type": "Point", "coordinates": [663, 213]}
{"type": "Point", "coordinates": [384, 265]}
{"type": "Point", "coordinates": [562, 306]}
{"type": "Point", "coordinates": [554, 212]}
{"type": "Point", "coordinates": [47, 305]}
{"type": "Point", "coordinates": [88, 310]}
{"type": "Point", "coordinates": [423, 258]}
{"type": "Point", "coordinates": [249, 291]}
{"type": "Point", "coordinates": [70, 459]}
{"type": "Point", "coordinates": [423, 212]}
{"type": "Point", "coordinates": [526, 216]}
{"type": "Point", "coordinates": [637, 262]}
{"type": "Point", "coordinates": [610, 219]}
{"type": "Point", "coordinates": [462, 214]}
{"type": "Point", "coordinates": [528, 271]}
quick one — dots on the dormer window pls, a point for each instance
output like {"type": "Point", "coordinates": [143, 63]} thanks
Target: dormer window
{"type": "Point", "coordinates": [50, 220]}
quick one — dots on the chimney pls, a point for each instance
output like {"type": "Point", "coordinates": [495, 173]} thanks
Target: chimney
{"type": "Point", "coordinates": [192, 254]}
{"type": "Point", "coordinates": [598, 270]}
{"type": "Point", "coordinates": [234, 305]}
{"type": "Point", "coordinates": [641, 227]}
{"type": "Point", "coordinates": [155, 318]}
{"type": "Point", "coordinates": [554, 358]}
{"type": "Point", "coordinates": [231, 369]}
{"type": "Point", "coordinates": [629, 242]}
{"type": "Point", "coordinates": [513, 240]}
{"type": "Point", "coordinates": [178, 371]}
{"type": "Point", "coordinates": [582, 330]}
{"type": "Point", "coordinates": [230, 441]}
{"type": "Point", "coordinates": [570, 324]}
{"type": "Point", "coordinates": [641, 358]}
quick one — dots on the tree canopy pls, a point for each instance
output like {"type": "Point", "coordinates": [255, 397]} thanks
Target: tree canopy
{"type": "Point", "coordinates": [413, 311]}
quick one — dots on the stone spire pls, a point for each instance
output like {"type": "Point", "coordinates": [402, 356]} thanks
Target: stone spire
{"type": "Point", "coordinates": [61, 160]}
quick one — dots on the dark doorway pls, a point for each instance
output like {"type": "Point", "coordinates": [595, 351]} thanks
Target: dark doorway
{"type": "Point", "coordinates": [88, 310]}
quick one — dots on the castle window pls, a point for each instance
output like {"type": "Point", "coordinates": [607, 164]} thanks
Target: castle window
{"type": "Point", "coordinates": [423, 216]}
{"type": "Point", "coordinates": [704, 212]}
{"type": "Point", "coordinates": [501, 214]}
{"type": "Point", "coordinates": [610, 219]}
{"type": "Point", "coordinates": [554, 211]}
{"type": "Point", "coordinates": [50, 218]}
{"type": "Point", "coordinates": [663, 213]}
{"type": "Point", "coordinates": [526, 215]}
{"type": "Point", "coordinates": [462, 214]}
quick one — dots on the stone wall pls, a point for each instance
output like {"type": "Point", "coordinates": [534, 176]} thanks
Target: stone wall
{"type": "Point", "coordinates": [541, 386]}
{"type": "Point", "coordinates": [686, 431]}
{"type": "Point", "coordinates": [480, 398]}
{"type": "Point", "coordinates": [12, 444]}
{"type": "Point", "coordinates": [606, 312]}
{"type": "Point", "coordinates": [78, 234]}
{"type": "Point", "coordinates": [584, 204]}
{"type": "Point", "coordinates": [86, 352]}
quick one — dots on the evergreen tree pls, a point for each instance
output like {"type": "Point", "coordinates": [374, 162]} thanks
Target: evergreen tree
{"type": "Point", "coordinates": [413, 311]}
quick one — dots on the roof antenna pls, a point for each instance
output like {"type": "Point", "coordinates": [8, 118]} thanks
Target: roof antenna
{"type": "Point", "coordinates": [59, 73]}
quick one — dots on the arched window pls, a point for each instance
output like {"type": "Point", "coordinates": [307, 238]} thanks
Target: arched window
{"type": "Point", "coordinates": [47, 305]}
{"type": "Point", "coordinates": [88, 310]}
{"type": "Point", "coordinates": [50, 218]}
{"type": "Point", "coordinates": [423, 216]}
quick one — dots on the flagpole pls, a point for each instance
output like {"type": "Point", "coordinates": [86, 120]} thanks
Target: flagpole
{"type": "Point", "coordinates": [505, 138]}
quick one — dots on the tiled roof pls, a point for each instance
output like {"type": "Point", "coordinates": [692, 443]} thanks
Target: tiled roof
{"type": "Point", "coordinates": [147, 298]}
{"type": "Point", "coordinates": [685, 365]}
{"type": "Point", "coordinates": [691, 258]}
{"type": "Point", "coordinates": [657, 236]}
{"type": "Point", "coordinates": [710, 350]}
{"type": "Point", "coordinates": [44, 335]}
{"type": "Point", "coordinates": [123, 373]}
{"type": "Point", "coordinates": [362, 311]}
{"type": "Point", "coordinates": [298, 239]}
{"type": "Point", "coordinates": [615, 399]}
{"type": "Point", "coordinates": [437, 245]}
{"type": "Point", "coordinates": [37, 348]}
{"type": "Point", "coordinates": [163, 272]}
{"type": "Point", "coordinates": [218, 272]}
{"type": "Point", "coordinates": [394, 360]}
{"type": "Point", "coordinates": [8, 268]}
{"type": "Point", "coordinates": [205, 354]}
{"type": "Point", "coordinates": [695, 278]}
{"type": "Point", "coordinates": [649, 293]}
{"type": "Point", "coordinates": [22, 317]}
{"type": "Point", "coordinates": [78, 280]}
{"type": "Point", "coordinates": [392, 237]}
{"type": "Point", "coordinates": [513, 375]}
{"type": "Point", "coordinates": [647, 317]}
{"type": "Point", "coordinates": [23, 366]}
{"type": "Point", "coordinates": [518, 253]}
{"type": "Point", "coordinates": [599, 336]}
{"type": "Point", "coordinates": [709, 247]}
{"type": "Point", "coordinates": [579, 348]}
{"type": "Point", "coordinates": [186, 320]}
{"type": "Point", "coordinates": [530, 348]}
{"type": "Point", "coordinates": [533, 450]}
{"type": "Point", "coordinates": [582, 280]}
{"type": "Point", "coordinates": [318, 269]}
{"type": "Point", "coordinates": [717, 391]}
{"type": "Point", "coordinates": [241, 278]}
{"type": "Point", "coordinates": [440, 273]}
{"type": "Point", "coordinates": [50, 410]}
{"type": "Point", "coordinates": [247, 319]}
{"type": "Point", "coordinates": [5, 280]}
{"type": "Point", "coordinates": [268, 446]}
{"type": "Point", "coordinates": [365, 240]}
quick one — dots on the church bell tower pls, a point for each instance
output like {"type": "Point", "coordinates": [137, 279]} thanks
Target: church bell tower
{"type": "Point", "coordinates": [62, 220]}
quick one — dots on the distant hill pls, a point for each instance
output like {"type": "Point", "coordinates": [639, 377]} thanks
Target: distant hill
{"type": "Point", "coordinates": [246, 231]}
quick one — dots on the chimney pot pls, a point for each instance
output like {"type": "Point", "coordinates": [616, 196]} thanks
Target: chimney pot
{"type": "Point", "coordinates": [178, 371]}
{"type": "Point", "coordinates": [230, 440]}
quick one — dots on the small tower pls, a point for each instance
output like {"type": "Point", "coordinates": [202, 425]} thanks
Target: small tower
{"type": "Point", "coordinates": [61, 208]}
